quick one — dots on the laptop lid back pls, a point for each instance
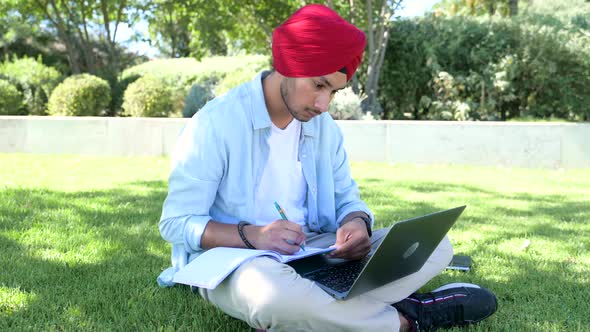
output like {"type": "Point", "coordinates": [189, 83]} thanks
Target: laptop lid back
{"type": "Point", "coordinates": [404, 249]}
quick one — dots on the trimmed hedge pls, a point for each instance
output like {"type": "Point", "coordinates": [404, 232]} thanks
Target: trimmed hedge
{"type": "Point", "coordinates": [80, 95]}
{"type": "Point", "coordinates": [35, 80]}
{"type": "Point", "coordinates": [217, 74]}
{"type": "Point", "coordinates": [11, 100]}
{"type": "Point", "coordinates": [148, 97]}
{"type": "Point", "coordinates": [198, 96]}
{"type": "Point", "coordinates": [235, 78]}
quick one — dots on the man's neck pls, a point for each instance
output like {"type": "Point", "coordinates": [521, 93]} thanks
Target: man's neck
{"type": "Point", "coordinates": [277, 110]}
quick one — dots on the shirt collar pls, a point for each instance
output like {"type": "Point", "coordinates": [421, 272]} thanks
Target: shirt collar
{"type": "Point", "coordinates": [260, 117]}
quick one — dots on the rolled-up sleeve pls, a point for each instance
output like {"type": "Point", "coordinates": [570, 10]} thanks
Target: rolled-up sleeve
{"type": "Point", "coordinates": [197, 169]}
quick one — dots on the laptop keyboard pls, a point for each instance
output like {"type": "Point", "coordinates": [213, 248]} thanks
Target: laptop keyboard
{"type": "Point", "coordinates": [338, 277]}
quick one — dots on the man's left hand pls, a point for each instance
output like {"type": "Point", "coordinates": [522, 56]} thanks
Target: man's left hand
{"type": "Point", "coordinates": [352, 240]}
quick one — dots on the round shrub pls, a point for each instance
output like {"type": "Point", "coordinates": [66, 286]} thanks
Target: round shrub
{"type": "Point", "coordinates": [197, 97]}
{"type": "Point", "coordinates": [235, 78]}
{"type": "Point", "coordinates": [11, 99]}
{"type": "Point", "coordinates": [35, 80]}
{"type": "Point", "coordinates": [148, 97]}
{"type": "Point", "coordinates": [80, 95]}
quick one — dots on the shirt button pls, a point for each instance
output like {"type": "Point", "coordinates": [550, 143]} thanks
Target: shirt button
{"type": "Point", "coordinates": [304, 156]}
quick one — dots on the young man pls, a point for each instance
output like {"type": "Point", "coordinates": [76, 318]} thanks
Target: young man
{"type": "Point", "coordinates": [272, 140]}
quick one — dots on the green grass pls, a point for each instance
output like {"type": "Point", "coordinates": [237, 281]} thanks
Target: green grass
{"type": "Point", "coordinates": [80, 248]}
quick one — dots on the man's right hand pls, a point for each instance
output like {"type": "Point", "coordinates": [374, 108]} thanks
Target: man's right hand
{"type": "Point", "coordinates": [282, 236]}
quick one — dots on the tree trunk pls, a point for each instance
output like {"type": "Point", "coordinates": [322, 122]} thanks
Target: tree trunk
{"type": "Point", "coordinates": [64, 35]}
{"type": "Point", "coordinates": [84, 38]}
{"type": "Point", "coordinates": [513, 5]}
{"type": "Point", "coordinates": [355, 84]}
{"type": "Point", "coordinates": [369, 89]}
{"type": "Point", "coordinates": [491, 7]}
{"type": "Point", "coordinates": [377, 29]}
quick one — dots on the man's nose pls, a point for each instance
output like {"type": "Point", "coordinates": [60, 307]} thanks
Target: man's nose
{"type": "Point", "coordinates": [322, 102]}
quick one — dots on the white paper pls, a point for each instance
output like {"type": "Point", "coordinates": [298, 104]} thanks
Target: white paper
{"type": "Point", "coordinates": [214, 265]}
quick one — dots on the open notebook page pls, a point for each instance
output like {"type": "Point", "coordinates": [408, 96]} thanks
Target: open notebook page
{"type": "Point", "coordinates": [214, 265]}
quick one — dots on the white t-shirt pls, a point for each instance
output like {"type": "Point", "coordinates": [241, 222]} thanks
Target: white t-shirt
{"type": "Point", "coordinates": [282, 179]}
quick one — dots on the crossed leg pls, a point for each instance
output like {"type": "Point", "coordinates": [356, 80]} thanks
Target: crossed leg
{"type": "Point", "coordinates": [267, 294]}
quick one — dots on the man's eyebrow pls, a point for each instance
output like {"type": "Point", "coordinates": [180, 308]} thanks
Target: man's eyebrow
{"type": "Point", "coordinates": [326, 82]}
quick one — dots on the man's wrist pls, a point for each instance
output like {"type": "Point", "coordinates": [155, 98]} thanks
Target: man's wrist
{"type": "Point", "coordinates": [360, 217]}
{"type": "Point", "coordinates": [360, 222]}
{"type": "Point", "coordinates": [241, 231]}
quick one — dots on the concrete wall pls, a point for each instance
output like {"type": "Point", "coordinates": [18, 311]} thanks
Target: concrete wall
{"type": "Point", "coordinates": [89, 135]}
{"type": "Point", "coordinates": [536, 145]}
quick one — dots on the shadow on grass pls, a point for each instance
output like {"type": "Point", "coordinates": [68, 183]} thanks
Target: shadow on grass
{"type": "Point", "coordinates": [89, 260]}
{"type": "Point", "coordinates": [535, 292]}
{"type": "Point", "coordinates": [43, 233]}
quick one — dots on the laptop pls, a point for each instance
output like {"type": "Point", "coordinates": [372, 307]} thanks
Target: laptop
{"type": "Point", "coordinates": [401, 252]}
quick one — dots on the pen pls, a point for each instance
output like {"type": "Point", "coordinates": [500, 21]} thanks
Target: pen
{"type": "Point", "coordinates": [282, 213]}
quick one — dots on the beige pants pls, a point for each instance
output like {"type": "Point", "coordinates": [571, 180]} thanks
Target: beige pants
{"type": "Point", "coordinates": [269, 295]}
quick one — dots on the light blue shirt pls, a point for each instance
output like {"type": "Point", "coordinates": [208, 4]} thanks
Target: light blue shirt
{"type": "Point", "coordinates": [217, 166]}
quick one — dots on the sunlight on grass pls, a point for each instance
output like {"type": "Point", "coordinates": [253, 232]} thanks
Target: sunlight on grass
{"type": "Point", "coordinates": [12, 300]}
{"type": "Point", "coordinates": [75, 316]}
{"type": "Point", "coordinates": [80, 247]}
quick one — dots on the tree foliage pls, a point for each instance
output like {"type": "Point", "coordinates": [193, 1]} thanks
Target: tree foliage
{"type": "Point", "coordinates": [198, 28]}
{"type": "Point", "coordinates": [87, 30]}
{"type": "Point", "coordinates": [478, 7]}
{"type": "Point", "coordinates": [475, 68]}
{"type": "Point", "coordinates": [22, 36]}
{"type": "Point", "coordinates": [202, 28]}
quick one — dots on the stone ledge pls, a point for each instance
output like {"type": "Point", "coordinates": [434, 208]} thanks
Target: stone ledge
{"type": "Point", "coordinates": [509, 144]}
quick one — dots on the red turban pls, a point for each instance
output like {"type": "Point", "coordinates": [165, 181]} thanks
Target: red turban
{"type": "Point", "coordinates": [316, 41]}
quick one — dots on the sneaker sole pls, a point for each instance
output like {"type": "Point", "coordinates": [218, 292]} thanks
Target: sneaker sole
{"type": "Point", "coordinates": [455, 285]}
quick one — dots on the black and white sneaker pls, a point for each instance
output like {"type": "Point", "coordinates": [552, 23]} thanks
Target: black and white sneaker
{"type": "Point", "coordinates": [450, 305]}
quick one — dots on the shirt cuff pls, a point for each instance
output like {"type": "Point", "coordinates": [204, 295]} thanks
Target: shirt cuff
{"type": "Point", "coordinates": [358, 214]}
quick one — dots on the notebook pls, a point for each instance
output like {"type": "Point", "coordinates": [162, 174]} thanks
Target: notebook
{"type": "Point", "coordinates": [211, 267]}
{"type": "Point", "coordinates": [402, 251]}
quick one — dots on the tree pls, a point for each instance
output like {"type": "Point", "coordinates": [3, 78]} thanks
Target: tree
{"type": "Point", "coordinates": [378, 26]}
{"type": "Point", "coordinates": [188, 27]}
{"type": "Point", "coordinates": [257, 20]}
{"type": "Point", "coordinates": [513, 6]}
{"type": "Point", "coordinates": [87, 30]}
{"type": "Point", "coordinates": [248, 25]}
{"type": "Point", "coordinates": [169, 23]}
{"type": "Point", "coordinates": [200, 27]}
{"type": "Point", "coordinates": [20, 37]}
{"type": "Point", "coordinates": [375, 18]}
{"type": "Point", "coordinates": [477, 7]}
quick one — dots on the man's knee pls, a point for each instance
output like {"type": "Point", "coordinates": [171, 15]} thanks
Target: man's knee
{"type": "Point", "coordinates": [271, 291]}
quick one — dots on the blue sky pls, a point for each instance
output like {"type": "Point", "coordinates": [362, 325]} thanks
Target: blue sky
{"type": "Point", "coordinates": [410, 8]}
{"type": "Point", "coordinates": [413, 8]}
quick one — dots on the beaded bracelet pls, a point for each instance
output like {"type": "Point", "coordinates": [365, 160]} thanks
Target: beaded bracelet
{"type": "Point", "coordinates": [242, 236]}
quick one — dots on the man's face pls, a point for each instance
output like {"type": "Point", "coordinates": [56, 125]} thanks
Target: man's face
{"type": "Point", "coordinates": [310, 96]}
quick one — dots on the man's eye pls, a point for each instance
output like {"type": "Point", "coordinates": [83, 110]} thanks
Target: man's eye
{"type": "Point", "coordinates": [318, 86]}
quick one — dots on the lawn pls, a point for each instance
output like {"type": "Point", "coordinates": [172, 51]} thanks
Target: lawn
{"type": "Point", "coordinates": [80, 248]}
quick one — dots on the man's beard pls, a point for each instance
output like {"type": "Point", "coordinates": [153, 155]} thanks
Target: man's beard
{"type": "Point", "coordinates": [285, 97]}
